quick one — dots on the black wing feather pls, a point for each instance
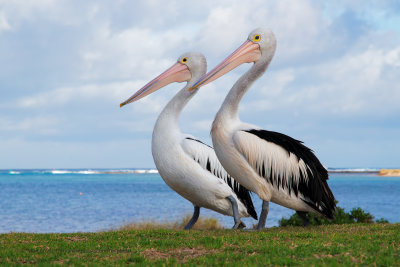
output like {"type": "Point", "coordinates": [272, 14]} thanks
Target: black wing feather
{"type": "Point", "coordinates": [314, 187]}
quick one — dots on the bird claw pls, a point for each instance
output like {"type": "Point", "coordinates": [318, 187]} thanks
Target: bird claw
{"type": "Point", "coordinates": [239, 225]}
{"type": "Point", "coordinates": [260, 227]}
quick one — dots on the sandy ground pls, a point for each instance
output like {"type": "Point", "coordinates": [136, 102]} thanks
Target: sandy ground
{"type": "Point", "coordinates": [389, 172]}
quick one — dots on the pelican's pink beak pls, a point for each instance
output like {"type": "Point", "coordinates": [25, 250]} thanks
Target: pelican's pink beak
{"type": "Point", "coordinates": [246, 53]}
{"type": "Point", "coordinates": [177, 73]}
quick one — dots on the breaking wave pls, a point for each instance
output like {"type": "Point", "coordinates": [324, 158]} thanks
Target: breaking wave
{"type": "Point", "coordinates": [79, 171]}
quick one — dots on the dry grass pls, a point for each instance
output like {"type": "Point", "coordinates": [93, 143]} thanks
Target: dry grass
{"type": "Point", "coordinates": [201, 224]}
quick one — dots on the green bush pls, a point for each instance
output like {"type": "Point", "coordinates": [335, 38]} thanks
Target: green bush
{"type": "Point", "coordinates": [360, 216]}
{"type": "Point", "coordinates": [381, 220]}
{"type": "Point", "coordinates": [356, 215]}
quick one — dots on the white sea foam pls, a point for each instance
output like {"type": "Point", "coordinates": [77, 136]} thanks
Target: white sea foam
{"type": "Point", "coordinates": [351, 170]}
{"type": "Point", "coordinates": [102, 171]}
{"type": "Point", "coordinates": [87, 172]}
{"type": "Point", "coordinates": [59, 172]}
{"type": "Point", "coordinates": [80, 171]}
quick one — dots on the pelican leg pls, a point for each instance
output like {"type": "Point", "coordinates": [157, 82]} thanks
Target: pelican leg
{"type": "Point", "coordinates": [194, 218]}
{"type": "Point", "coordinates": [263, 215]}
{"type": "Point", "coordinates": [303, 217]}
{"type": "Point", "coordinates": [238, 223]}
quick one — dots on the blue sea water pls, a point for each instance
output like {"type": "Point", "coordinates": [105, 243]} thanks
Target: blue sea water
{"type": "Point", "coordinates": [43, 201]}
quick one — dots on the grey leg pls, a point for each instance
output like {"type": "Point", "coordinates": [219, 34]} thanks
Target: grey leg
{"type": "Point", "coordinates": [263, 215]}
{"type": "Point", "coordinates": [238, 223]}
{"type": "Point", "coordinates": [194, 218]}
{"type": "Point", "coordinates": [303, 217]}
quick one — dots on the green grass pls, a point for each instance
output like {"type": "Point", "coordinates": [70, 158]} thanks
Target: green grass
{"type": "Point", "coordinates": [332, 245]}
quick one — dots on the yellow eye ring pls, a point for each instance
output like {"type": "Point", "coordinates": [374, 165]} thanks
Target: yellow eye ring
{"type": "Point", "coordinates": [256, 38]}
{"type": "Point", "coordinates": [184, 60]}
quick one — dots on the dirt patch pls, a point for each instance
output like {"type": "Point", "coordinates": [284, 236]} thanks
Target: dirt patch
{"type": "Point", "coordinates": [61, 262]}
{"type": "Point", "coordinates": [24, 261]}
{"type": "Point", "coordinates": [76, 239]}
{"type": "Point", "coordinates": [181, 254]}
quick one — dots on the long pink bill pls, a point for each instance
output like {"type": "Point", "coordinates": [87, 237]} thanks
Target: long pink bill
{"type": "Point", "coordinates": [246, 53]}
{"type": "Point", "coordinates": [176, 73]}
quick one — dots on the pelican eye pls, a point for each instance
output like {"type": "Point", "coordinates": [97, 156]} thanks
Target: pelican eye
{"type": "Point", "coordinates": [256, 38]}
{"type": "Point", "coordinates": [184, 60]}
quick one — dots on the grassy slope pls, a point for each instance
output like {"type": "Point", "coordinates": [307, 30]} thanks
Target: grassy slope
{"type": "Point", "coordinates": [323, 245]}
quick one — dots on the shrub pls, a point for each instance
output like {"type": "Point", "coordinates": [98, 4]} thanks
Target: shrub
{"type": "Point", "coordinates": [360, 216]}
{"type": "Point", "coordinates": [381, 220]}
{"type": "Point", "coordinates": [356, 215]}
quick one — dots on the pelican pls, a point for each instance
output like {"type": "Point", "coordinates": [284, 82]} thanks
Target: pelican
{"type": "Point", "coordinates": [275, 166]}
{"type": "Point", "coordinates": [186, 164]}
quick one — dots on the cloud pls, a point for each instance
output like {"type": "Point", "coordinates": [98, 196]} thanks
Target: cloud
{"type": "Point", "coordinates": [324, 65]}
{"type": "Point", "coordinates": [362, 84]}
{"type": "Point", "coordinates": [68, 64]}
{"type": "Point", "coordinates": [228, 25]}
{"type": "Point", "coordinates": [132, 53]}
{"type": "Point", "coordinates": [63, 96]}
{"type": "Point", "coordinates": [43, 125]}
{"type": "Point", "coordinates": [4, 25]}
{"type": "Point", "coordinates": [60, 12]}
{"type": "Point", "coordinates": [108, 94]}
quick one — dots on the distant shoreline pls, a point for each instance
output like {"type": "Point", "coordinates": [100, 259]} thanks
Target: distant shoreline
{"type": "Point", "coordinates": [389, 172]}
{"type": "Point", "coordinates": [379, 172]}
{"type": "Point", "coordinates": [354, 171]}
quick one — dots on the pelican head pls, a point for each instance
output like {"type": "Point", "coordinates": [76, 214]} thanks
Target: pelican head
{"type": "Point", "coordinates": [259, 46]}
{"type": "Point", "coordinates": [190, 66]}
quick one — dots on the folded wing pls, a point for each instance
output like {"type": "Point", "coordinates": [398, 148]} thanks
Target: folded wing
{"type": "Point", "coordinates": [287, 165]}
{"type": "Point", "coordinates": [205, 156]}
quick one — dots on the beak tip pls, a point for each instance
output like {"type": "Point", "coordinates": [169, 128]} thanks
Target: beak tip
{"type": "Point", "coordinates": [193, 87]}
{"type": "Point", "coordinates": [121, 105]}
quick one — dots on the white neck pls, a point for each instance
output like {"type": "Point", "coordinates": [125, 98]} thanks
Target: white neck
{"type": "Point", "coordinates": [169, 116]}
{"type": "Point", "coordinates": [230, 106]}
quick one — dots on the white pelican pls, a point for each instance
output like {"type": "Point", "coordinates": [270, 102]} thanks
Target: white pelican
{"type": "Point", "coordinates": [275, 166]}
{"type": "Point", "coordinates": [186, 164]}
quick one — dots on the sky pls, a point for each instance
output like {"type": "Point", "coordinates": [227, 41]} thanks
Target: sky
{"type": "Point", "coordinates": [334, 81]}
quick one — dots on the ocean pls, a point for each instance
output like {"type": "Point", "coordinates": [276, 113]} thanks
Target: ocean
{"type": "Point", "coordinates": [65, 201]}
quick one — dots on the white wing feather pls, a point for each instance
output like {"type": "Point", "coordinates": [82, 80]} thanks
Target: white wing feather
{"type": "Point", "coordinates": [206, 157]}
{"type": "Point", "coordinates": [275, 164]}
